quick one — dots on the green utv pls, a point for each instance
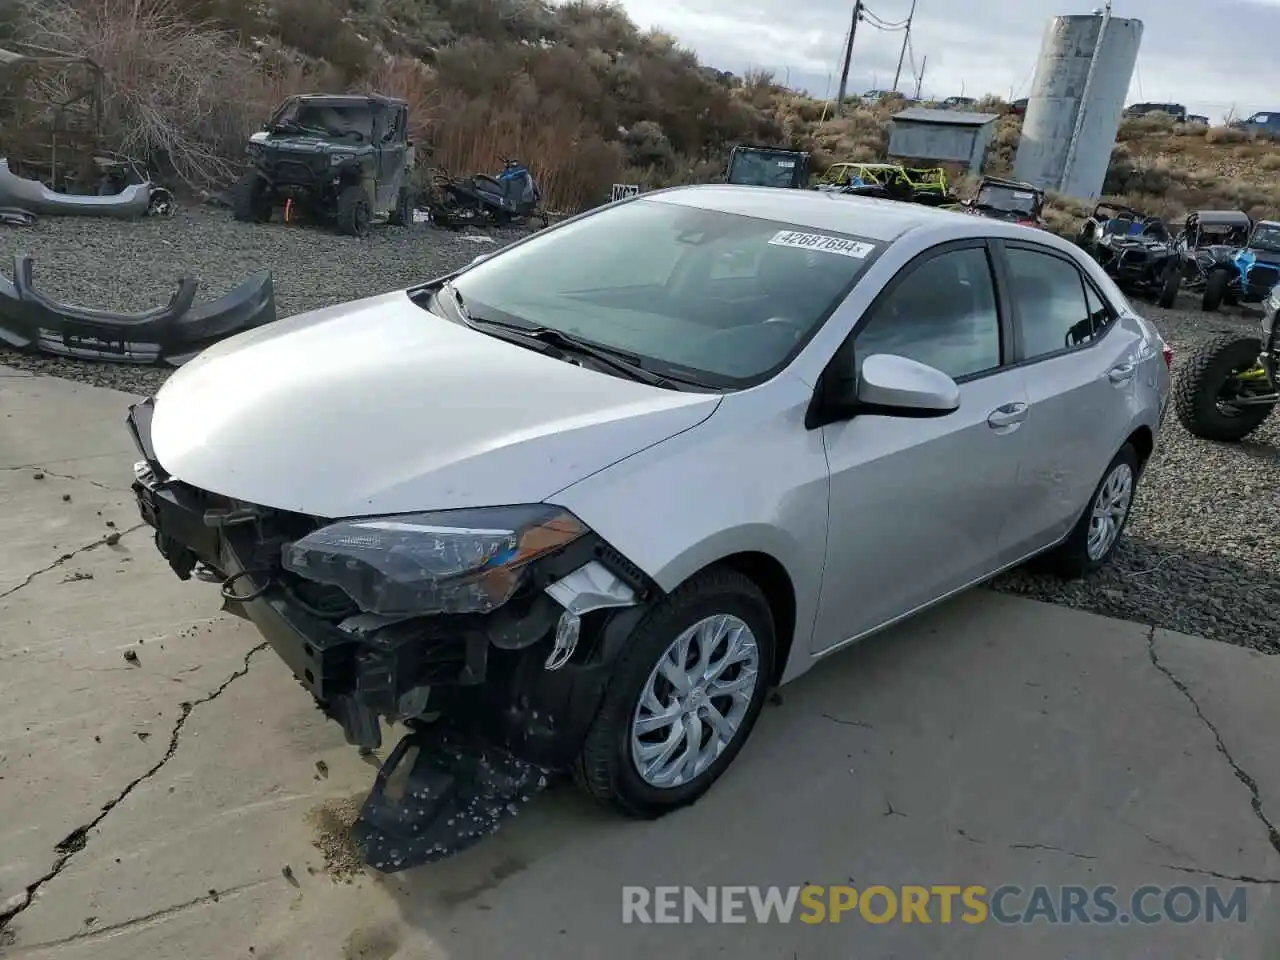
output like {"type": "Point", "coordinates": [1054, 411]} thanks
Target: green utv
{"type": "Point", "coordinates": [337, 159]}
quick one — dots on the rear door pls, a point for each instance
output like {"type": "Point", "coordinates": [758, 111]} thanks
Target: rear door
{"type": "Point", "coordinates": [1079, 367]}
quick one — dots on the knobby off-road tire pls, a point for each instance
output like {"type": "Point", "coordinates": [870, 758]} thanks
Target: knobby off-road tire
{"type": "Point", "coordinates": [402, 215]}
{"type": "Point", "coordinates": [605, 766]}
{"type": "Point", "coordinates": [1201, 379]}
{"type": "Point", "coordinates": [249, 201]}
{"type": "Point", "coordinates": [1072, 558]}
{"type": "Point", "coordinates": [1170, 284]}
{"type": "Point", "coordinates": [353, 211]}
{"type": "Point", "coordinates": [1215, 290]}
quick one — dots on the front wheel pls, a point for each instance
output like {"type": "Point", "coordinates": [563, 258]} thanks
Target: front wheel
{"type": "Point", "coordinates": [353, 211]}
{"type": "Point", "coordinates": [1213, 380]}
{"type": "Point", "coordinates": [1215, 290]}
{"type": "Point", "coordinates": [682, 697]}
{"type": "Point", "coordinates": [251, 199]}
{"type": "Point", "coordinates": [1170, 283]}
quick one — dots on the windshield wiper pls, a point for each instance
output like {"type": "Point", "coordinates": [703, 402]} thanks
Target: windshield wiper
{"type": "Point", "coordinates": [550, 338]}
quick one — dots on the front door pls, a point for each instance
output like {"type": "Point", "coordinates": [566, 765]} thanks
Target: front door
{"type": "Point", "coordinates": [917, 505]}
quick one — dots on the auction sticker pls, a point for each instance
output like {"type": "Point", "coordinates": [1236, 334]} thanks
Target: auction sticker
{"type": "Point", "coordinates": [822, 242]}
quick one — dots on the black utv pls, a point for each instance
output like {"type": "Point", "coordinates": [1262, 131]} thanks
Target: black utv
{"type": "Point", "coordinates": [338, 159]}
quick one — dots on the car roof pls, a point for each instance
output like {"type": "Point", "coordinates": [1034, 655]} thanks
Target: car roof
{"type": "Point", "coordinates": [354, 99]}
{"type": "Point", "coordinates": [883, 220]}
{"type": "Point", "coordinates": [1222, 218]}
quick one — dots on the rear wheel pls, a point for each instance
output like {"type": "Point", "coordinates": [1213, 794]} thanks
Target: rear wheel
{"type": "Point", "coordinates": [353, 211]}
{"type": "Point", "coordinates": [402, 215]}
{"type": "Point", "coordinates": [1213, 379]}
{"type": "Point", "coordinates": [251, 199]}
{"type": "Point", "coordinates": [682, 697]}
{"type": "Point", "coordinates": [1093, 539]}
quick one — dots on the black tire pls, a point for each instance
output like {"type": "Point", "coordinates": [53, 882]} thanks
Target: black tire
{"type": "Point", "coordinates": [250, 201]}
{"type": "Point", "coordinates": [605, 768]}
{"type": "Point", "coordinates": [1215, 290]}
{"type": "Point", "coordinates": [353, 211]}
{"type": "Point", "coordinates": [1170, 284]}
{"type": "Point", "coordinates": [1070, 559]}
{"type": "Point", "coordinates": [1199, 383]}
{"type": "Point", "coordinates": [402, 215]}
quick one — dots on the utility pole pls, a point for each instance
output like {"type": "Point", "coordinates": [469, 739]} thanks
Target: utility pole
{"type": "Point", "coordinates": [906, 38]}
{"type": "Point", "coordinates": [848, 57]}
{"type": "Point", "coordinates": [924, 61]}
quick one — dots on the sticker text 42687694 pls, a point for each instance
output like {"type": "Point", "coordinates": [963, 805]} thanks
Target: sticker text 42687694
{"type": "Point", "coordinates": [821, 242]}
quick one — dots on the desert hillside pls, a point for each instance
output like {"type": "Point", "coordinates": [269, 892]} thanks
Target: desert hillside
{"type": "Point", "coordinates": [575, 90]}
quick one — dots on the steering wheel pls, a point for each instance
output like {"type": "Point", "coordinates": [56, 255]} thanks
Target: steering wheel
{"type": "Point", "coordinates": [783, 323]}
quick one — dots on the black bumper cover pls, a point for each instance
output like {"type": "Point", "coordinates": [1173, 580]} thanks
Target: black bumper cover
{"type": "Point", "coordinates": [171, 334]}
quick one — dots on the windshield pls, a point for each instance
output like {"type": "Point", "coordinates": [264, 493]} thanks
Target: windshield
{"type": "Point", "coordinates": [1266, 236]}
{"type": "Point", "coordinates": [715, 298]}
{"type": "Point", "coordinates": [327, 118]}
{"type": "Point", "coordinates": [1007, 198]}
{"type": "Point", "coordinates": [763, 169]}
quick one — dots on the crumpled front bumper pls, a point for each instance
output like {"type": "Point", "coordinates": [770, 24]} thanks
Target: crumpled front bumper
{"type": "Point", "coordinates": [172, 334]}
{"type": "Point", "coordinates": [506, 720]}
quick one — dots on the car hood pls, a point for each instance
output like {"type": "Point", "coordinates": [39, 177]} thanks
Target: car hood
{"type": "Point", "coordinates": [380, 406]}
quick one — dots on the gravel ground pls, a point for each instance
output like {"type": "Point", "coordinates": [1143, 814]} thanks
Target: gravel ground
{"type": "Point", "coordinates": [1202, 552]}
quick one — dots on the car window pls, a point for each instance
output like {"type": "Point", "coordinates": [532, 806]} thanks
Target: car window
{"type": "Point", "coordinates": [1049, 294]}
{"type": "Point", "coordinates": [702, 294]}
{"type": "Point", "coordinates": [943, 313]}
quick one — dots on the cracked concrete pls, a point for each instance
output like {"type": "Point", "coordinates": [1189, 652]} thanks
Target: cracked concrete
{"type": "Point", "coordinates": [149, 806]}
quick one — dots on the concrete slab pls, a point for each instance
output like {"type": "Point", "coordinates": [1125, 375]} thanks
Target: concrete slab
{"type": "Point", "coordinates": [992, 741]}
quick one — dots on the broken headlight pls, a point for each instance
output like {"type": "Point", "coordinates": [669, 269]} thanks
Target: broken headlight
{"type": "Point", "coordinates": [451, 561]}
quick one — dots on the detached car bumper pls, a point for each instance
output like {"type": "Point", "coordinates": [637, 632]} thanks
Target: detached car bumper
{"type": "Point", "coordinates": [171, 334]}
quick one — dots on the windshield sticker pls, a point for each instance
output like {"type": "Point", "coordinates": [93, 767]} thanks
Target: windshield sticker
{"type": "Point", "coordinates": [818, 241]}
{"type": "Point", "coordinates": [1022, 195]}
{"type": "Point", "coordinates": [789, 164]}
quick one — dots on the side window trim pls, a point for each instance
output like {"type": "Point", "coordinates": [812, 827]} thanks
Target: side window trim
{"type": "Point", "coordinates": [1018, 357]}
{"type": "Point", "coordinates": [1003, 316]}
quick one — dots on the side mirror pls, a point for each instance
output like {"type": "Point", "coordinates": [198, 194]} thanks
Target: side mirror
{"type": "Point", "coordinates": [887, 386]}
{"type": "Point", "coordinates": [899, 387]}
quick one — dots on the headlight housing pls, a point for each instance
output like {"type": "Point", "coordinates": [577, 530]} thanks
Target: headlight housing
{"type": "Point", "coordinates": [450, 561]}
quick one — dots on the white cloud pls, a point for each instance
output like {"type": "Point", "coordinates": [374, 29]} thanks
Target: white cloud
{"type": "Point", "coordinates": [1210, 63]}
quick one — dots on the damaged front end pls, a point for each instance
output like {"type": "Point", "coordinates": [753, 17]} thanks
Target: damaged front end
{"type": "Point", "coordinates": [487, 633]}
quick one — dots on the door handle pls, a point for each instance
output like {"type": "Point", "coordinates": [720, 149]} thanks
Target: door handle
{"type": "Point", "coordinates": [1008, 415]}
{"type": "Point", "coordinates": [1122, 373]}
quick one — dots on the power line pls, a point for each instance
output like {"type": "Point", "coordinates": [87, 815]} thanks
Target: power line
{"type": "Point", "coordinates": [878, 21]}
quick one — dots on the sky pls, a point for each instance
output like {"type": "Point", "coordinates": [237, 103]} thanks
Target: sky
{"type": "Point", "coordinates": [1213, 56]}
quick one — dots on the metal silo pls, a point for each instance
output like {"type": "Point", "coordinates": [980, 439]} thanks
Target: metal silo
{"type": "Point", "coordinates": [1077, 98]}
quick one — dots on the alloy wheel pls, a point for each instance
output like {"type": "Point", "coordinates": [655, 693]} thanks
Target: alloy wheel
{"type": "Point", "coordinates": [1110, 508]}
{"type": "Point", "coordinates": [693, 705]}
